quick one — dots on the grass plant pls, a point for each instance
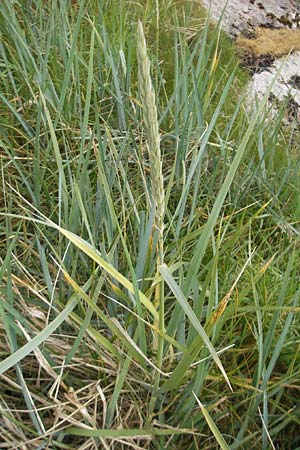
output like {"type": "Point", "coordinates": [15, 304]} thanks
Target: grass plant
{"type": "Point", "coordinates": [149, 239]}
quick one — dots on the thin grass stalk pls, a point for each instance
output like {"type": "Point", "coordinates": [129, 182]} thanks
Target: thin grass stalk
{"type": "Point", "coordinates": [149, 109]}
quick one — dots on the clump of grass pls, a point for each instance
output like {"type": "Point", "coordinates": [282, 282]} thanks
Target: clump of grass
{"type": "Point", "coordinates": [91, 270]}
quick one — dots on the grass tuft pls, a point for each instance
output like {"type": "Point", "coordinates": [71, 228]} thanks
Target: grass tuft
{"type": "Point", "coordinates": [149, 235]}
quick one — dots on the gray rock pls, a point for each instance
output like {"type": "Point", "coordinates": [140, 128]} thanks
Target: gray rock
{"type": "Point", "coordinates": [242, 16]}
{"type": "Point", "coordinates": [286, 86]}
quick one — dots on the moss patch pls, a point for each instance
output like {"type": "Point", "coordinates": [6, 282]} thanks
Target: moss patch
{"type": "Point", "coordinates": [273, 42]}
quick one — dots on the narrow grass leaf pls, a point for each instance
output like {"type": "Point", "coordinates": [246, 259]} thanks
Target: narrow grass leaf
{"type": "Point", "coordinates": [94, 254]}
{"type": "Point", "coordinates": [124, 433]}
{"type": "Point", "coordinates": [168, 277]}
{"type": "Point", "coordinates": [212, 426]}
{"type": "Point", "coordinates": [22, 352]}
{"type": "Point", "coordinates": [212, 219]}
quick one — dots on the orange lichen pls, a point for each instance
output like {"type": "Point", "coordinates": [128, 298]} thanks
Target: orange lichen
{"type": "Point", "coordinates": [274, 42]}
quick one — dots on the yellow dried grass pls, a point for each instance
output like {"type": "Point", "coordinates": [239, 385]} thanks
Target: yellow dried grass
{"type": "Point", "coordinates": [274, 42]}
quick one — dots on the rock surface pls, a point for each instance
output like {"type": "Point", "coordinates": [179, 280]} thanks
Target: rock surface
{"type": "Point", "coordinates": [242, 18]}
{"type": "Point", "coordinates": [285, 88]}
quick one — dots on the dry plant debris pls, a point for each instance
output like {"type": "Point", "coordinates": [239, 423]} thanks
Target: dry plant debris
{"type": "Point", "coordinates": [274, 42]}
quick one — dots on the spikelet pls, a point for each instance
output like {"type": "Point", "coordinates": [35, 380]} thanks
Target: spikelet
{"type": "Point", "coordinates": [147, 96]}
